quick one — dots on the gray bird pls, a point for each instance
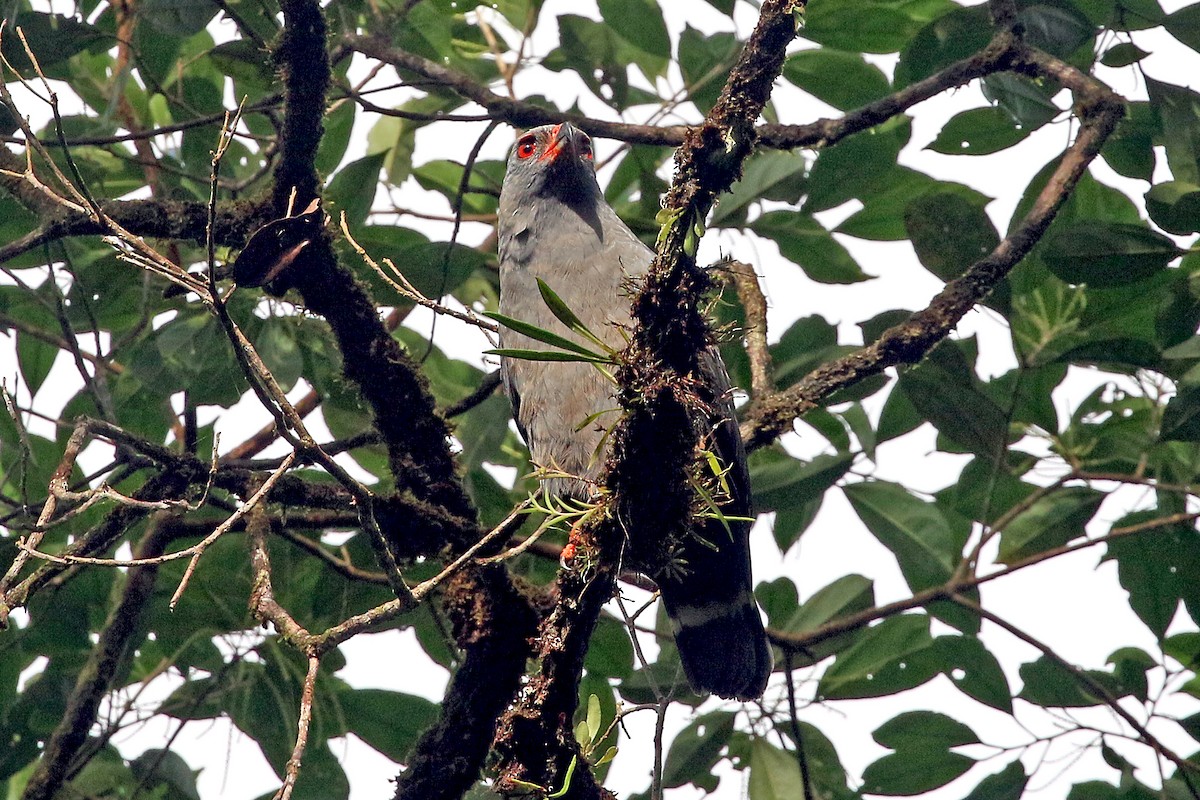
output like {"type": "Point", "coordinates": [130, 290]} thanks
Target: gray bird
{"type": "Point", "coordinates": [554, 224]}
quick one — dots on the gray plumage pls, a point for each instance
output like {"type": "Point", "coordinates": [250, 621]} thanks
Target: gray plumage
{"type": "Point", "coordinates": [554, 224]}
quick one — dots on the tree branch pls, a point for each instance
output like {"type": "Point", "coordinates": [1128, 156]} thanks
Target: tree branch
{"type": "Point", "coordinates": [907, 343]}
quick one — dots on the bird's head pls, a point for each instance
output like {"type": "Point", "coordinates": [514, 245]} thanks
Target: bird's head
{"type": "Point", "coordinates": [552, 161]}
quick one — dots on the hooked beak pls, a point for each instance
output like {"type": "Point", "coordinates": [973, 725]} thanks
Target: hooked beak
{"type": "Point", "coordinates": [563, 137]}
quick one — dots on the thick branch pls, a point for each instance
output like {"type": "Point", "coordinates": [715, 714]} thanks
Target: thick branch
{"type": "Point", "coordinates": [908, 342]}
{"type": "Point", "coordinates": [116, 642]}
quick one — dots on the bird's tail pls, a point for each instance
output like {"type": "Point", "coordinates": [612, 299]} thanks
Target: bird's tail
{"type": "Point", "coordinates": [715, 619]}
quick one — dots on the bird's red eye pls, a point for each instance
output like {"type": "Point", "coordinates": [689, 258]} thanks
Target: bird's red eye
{"type": "Point", "coordinates": [526, 147]}
{"type": "Point", "coordinates": [585, 149]}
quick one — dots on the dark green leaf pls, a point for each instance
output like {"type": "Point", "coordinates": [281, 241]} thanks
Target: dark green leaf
{"type": "Point", "coordinates": [1060, 30]}
{"type": "Point", "coordinates": [640, 24]}
{"type": "Point", "coordinates": [965, 415]}
{"type": "Point", "coordinates": [1107, 254]}
{"type": "Point", "coordinates": [979, 131]}
{"type": "Point", "coordinates": [1049, 684]}
{"type": "Point", "coordinates": [878, 662]}
{"type": "Point", "coordinates": [390, 722]}
{"type": "Point", "coordinates": [843, 80]}
{"type": "Point", "coordinates": [705, 62]}
{"type": "Point", "coordinates": [1179, 110]}
{"type": "Point", "coordinates": [768, 175]}
{"type": "Point", "coordinates": [1007, 784]}
{"type": "Point", "coordinates": [1029, 102]}
{"type": "Point", "coordinates": [35, 358]}
{"type": "Point", "coordinates": [1181, 420]}
{"type": "Point", "coordinates": [1050, 522]}
{"type": "Point", "coordinates": [949, 233]}
{"type": "Point", "coordinates": [858, 26]}
{"type": "Point", "coordinates": [915, 771]}
{"type": "Point", "coordinates": [697, 749]}
{"type": "Point", "coordinates": [856, 167]}
{"type": "Point", "coordinates": [1175, 206]}
{"type": "Point", "coordinates": [1155, 567]}
{"type": "Point", "coordinates": [780, 481]}
{"type": "Point", "coordinates": [923, 730]}
{"type": "Point", "coordinates": [1184, 25]}
{"type": "Point", "coordinates": [916, 531]}
{"type": "Point", "coordinates": [1130, 149]}
{"type": "Point", "coordinates": [949, 38]}
{"type": "Point", "coordinates": [974, 670]}
{"type": "Point", "coordinates": [352, 190]}
{"type": "Point", "coordinates": [805, 242]}
{"type": "Point", "coordinates": [1123, 54]}
{"type": "Point", "coordinates": [610, 653]}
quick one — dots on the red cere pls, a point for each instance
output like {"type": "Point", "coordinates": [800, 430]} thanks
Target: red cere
{"type": "Point", "coordinates": [526, 147]}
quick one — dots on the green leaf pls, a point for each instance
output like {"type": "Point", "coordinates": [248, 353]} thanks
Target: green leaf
{"type": "Point", "coordinates": [1123, 54]}
{"type": "Point", "coordinates": [805, 242]}
{"type": "Point", "coordinates": [705, 62]}
{"type": "Point", "coordinates": [1179, 110]}
{"type": "Point", "coordinates": [352, 190]}
{"type": "Point", "coordinates": [767, 175]}
{"type": "Point", "coordinates": [843, 80]}
{"type": "Point", "coordinates": [1136, 15]}
{"type": "Point", "coordinates": [1007, 784]}
{"type": "Point", "coordinates": [846, 595]}
{"type": "Point", "coordinates": [35, 358]}
{"type": "Point", "coordinates": [1060, 30]}
{"type": "Point", "coordinates": [53, 38]}
{"type": "Point", "coordinates": [914, 771]}
{"type": "Point", "coordinates": [780, 481]}
{"type": "Point", "coordinates": [1184, 25]}
{"type": "Point", "coordinates": [1181, 420]}
{"type": "Point", "coordinates": [975, 671]}
{"type": "Point", "coordinates": [339, 123]}
{"type": "Point", "coordinates": [610, 653]}
{"type": "Point", "coordinates": [978, 132]}
{"type": "Point", "coordinates": [1050, 522]}
{"type": "Point", "coordinates": [1107, 254]}
{"type": "Point", "coordinates": [774, 773]}
{"type": "Point", "coordinates": [1130, 148]}
{"type": "Point", "coordinates": [546, 355]}
{"type": "Point", "coordinates": [966, 414]}
{"type": "Point", "coordinates": [1175, 206]}
{"type": "Point", "coordinates": [954, 36]}
{"type": "Point", "coordinates": [1156, 568]}
{"type": "Point", "coordinates": [856, 167]}
{"type": "Point", "coordinates": [949, 233]}
{"type": "Point", "coordinates": [565, 315]}
{"type": "Point", "coordinates": [640, 24]}
{"type": "Point", "coordinates": [388, 721]}
{"type": "Point", "coordinates": [923, 730]}
{"type": "Point", "coordinates": [882, 215]}
{"type": "Point", "coordinates": [155, 768]}
{"type": "Point", "coordinates": [178, 17]}
{"type": "Point", "coordinates": [915, 530]}
{"type": "Point", "coordinates": [1030, 102]}
{"type": "Point", "coordinates": [858, 26]}
{"type": "Point", "coordinates": [697, 749]}
{"type": "Point", "coordinates": [1049, 684]}
{"type": "Point", "coordinates": [546, 337]}
{"type": "Point", "coordinates": [878, 662]}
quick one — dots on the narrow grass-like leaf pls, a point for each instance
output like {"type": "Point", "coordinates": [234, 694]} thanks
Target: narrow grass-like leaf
{"type": "Point", "coordinates": [545, 336]}
{"type": "Point", "coordinates": [546, 355]}
{"type": "Point", "coordinates": [567, 317]}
